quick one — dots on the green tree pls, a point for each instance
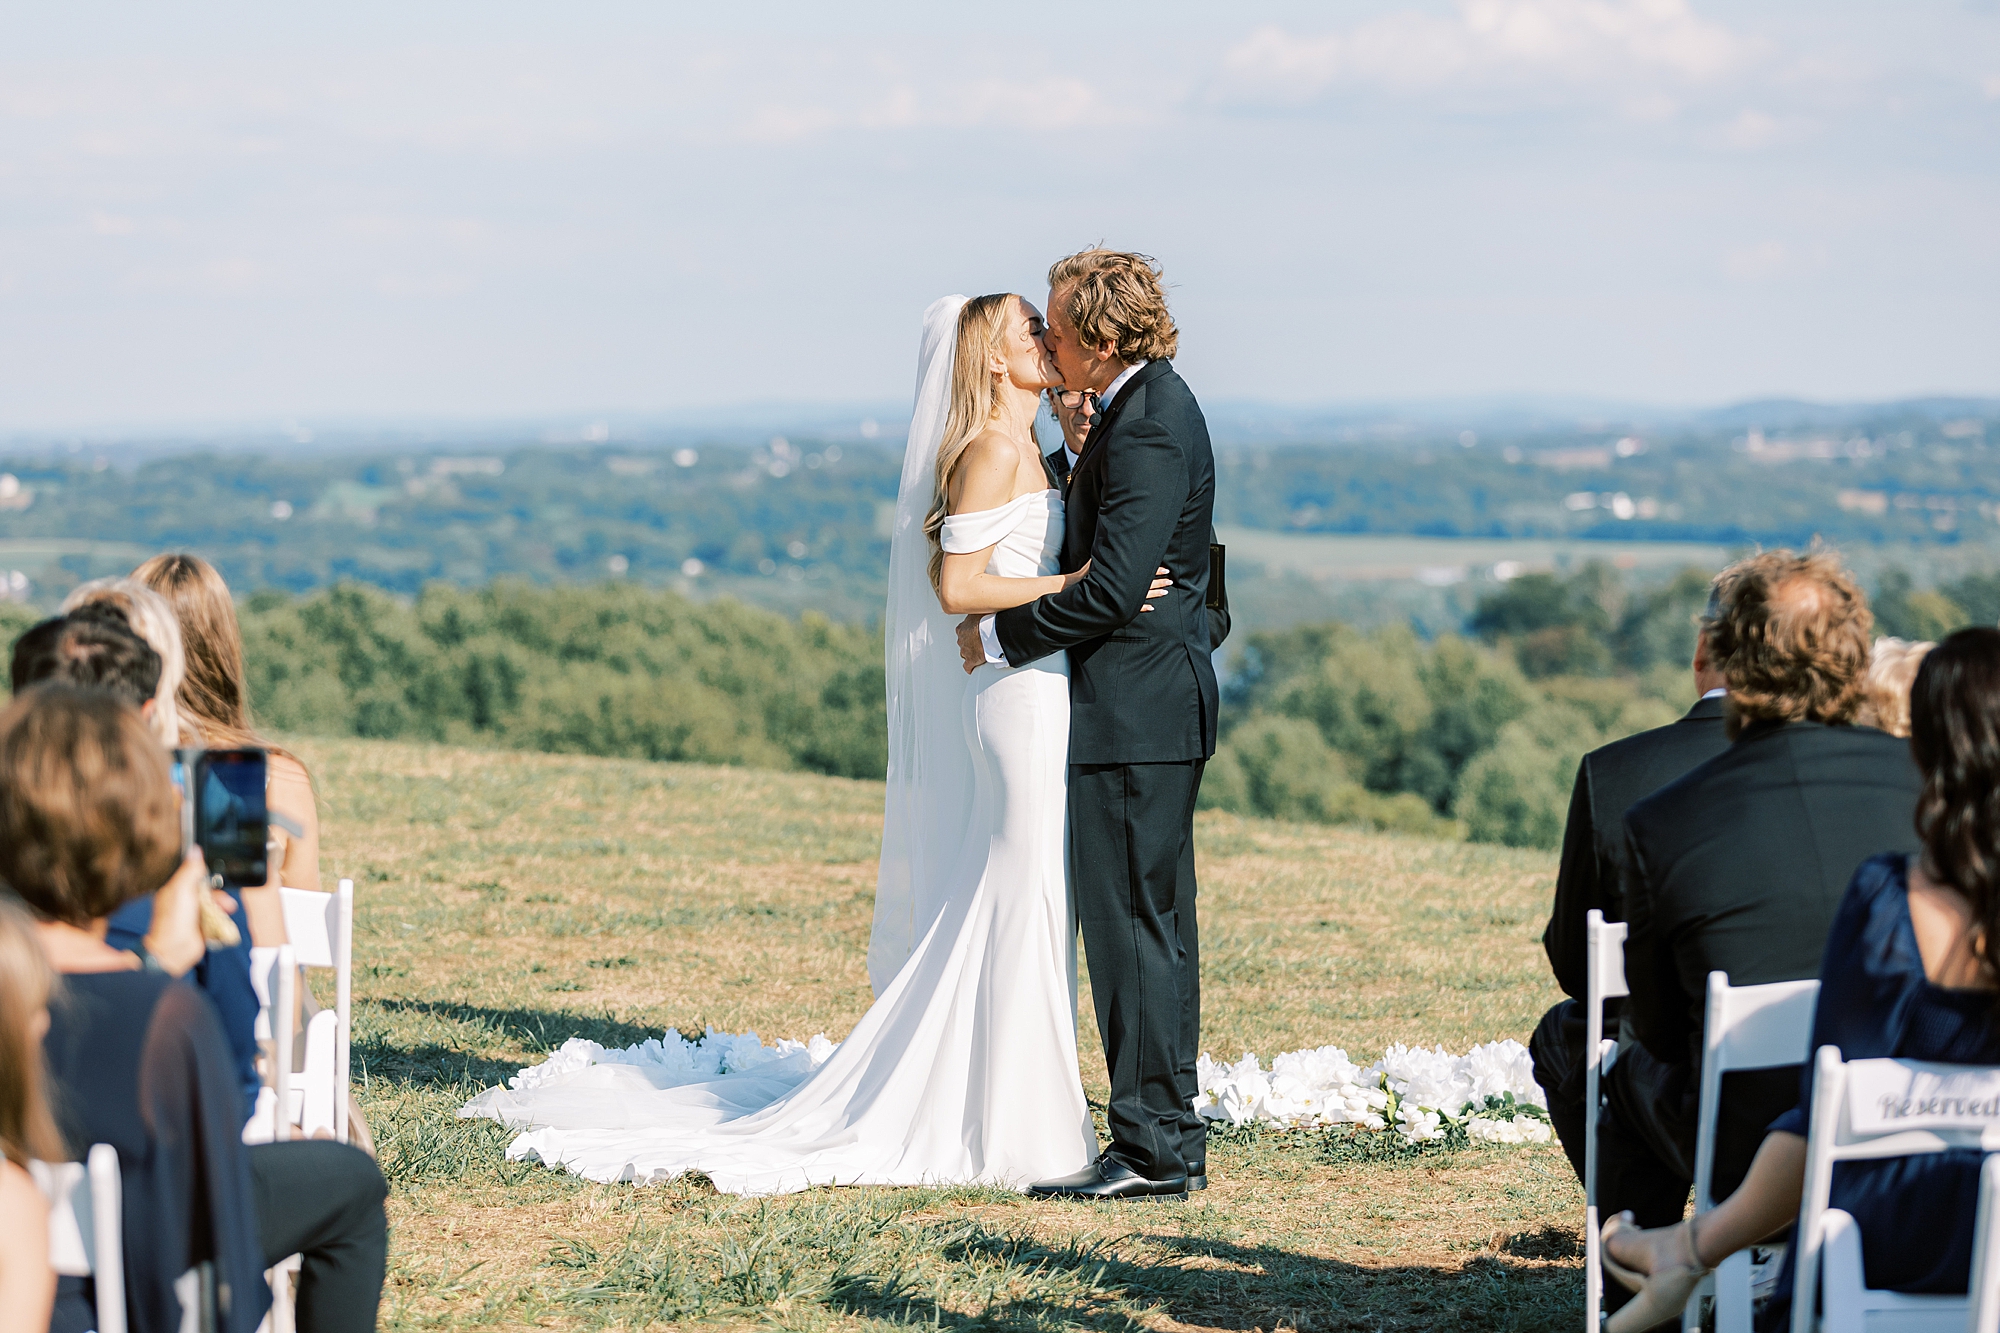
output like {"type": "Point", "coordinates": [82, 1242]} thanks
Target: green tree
{"type": "Point", "coordinates": [1517, 793]}
{"type": "Point", "coordinates": [1659, 624]}
{"type": "Point", "coordinates": [1282, 768]}
{"type": "Point", "coordinates": [1553, 626]}
{"type": "Point", "coordinates": [1908, 612]}
{"type": "Point", "coordinates": [615, 670]}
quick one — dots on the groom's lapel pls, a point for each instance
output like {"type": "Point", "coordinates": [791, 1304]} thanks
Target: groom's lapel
{"type": "Point", "coordinates": [1102, 427]}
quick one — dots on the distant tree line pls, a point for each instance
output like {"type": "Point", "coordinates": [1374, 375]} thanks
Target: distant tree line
{"type": "Point", "coordinates": [606, 670]}
{"type": "Point", "coordinates": [1476, 735]}
{"type": "Point", "coordinates": [1384, 730]}
{"type": "Point", "coordinates": [1907, 612]}
{"type": "Point", "coordinates": [1889, 475]}
{"type": "Point", "coordinates": [802, 523]}
{"type": "Point", "coordinates": [1381, 729]}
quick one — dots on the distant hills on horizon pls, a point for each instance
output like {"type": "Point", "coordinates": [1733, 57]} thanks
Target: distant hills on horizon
{"type": "Point", "coordinates": [1231, 421]}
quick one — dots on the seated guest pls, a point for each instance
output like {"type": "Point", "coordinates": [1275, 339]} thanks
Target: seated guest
{"type": "Point", "coordinates": [215, 702]}
{"type": "Point", "coordinates": [27, 1133]}
{"type": "Point", "coordinates": [149, 617]}
{"type": "Point", "coordinates": [89, 820]}
{"type": "Point", "coordinates": [1885, 698]}
{"type": "Point", "coordinates": [93, 648]}
{"type": "Point", "coordinates": [1608, 781]}
{"type": "Point", "coordinates": [1909, 972]}
{"type": "Point", "coordinates": [1739, 867]}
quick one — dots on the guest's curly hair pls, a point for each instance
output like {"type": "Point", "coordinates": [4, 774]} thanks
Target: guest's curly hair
{"type": "Point", "coordinates": [1116, 297]}
{"type": "Point", "coordinates": [1955, 739]}
{"type": "Point", "coordinates": [1790, 634]}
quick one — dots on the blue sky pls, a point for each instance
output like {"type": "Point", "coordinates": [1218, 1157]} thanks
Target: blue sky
{"type": "Point", "coordinates": [245, 212]}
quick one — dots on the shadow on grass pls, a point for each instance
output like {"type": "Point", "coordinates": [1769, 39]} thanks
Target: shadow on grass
{"type": "Point", "coordinates": [1219, 1284]}
{"type": "Point", "coordinates": [873, 1259]}
{"type": "Point", "coordinates": [404, 1043]}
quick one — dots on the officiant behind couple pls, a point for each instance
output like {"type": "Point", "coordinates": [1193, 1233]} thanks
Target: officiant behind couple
{"type": "Point", "coordinates": [1044, 757]}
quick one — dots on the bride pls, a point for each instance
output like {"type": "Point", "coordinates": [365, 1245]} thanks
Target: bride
{"type": "Point", "coordinates": [965, 1068]}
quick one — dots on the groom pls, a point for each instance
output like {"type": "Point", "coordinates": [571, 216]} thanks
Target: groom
{"type": "Point", "coordinates": [1139, 496]}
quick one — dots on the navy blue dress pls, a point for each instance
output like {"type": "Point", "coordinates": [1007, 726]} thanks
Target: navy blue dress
{"type": "Point", "coordinates": [223, 974]}
{"type": "Point", "coordinates": [138, 1061]}
{"type": "Point", "coordinates": [1915, 1213]}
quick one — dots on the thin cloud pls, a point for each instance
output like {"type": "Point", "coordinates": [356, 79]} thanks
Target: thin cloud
{"type": "Point", "coordinates": [1035, 105]}
{"type": "Point", "coordinates": [1575, 42]}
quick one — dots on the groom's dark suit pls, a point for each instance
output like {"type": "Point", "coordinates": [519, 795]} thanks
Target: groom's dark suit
{"type": "Point", "coordinates": [1142, 724]}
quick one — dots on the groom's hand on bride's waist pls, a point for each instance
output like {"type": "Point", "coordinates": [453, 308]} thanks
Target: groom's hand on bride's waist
{"type": "Point", "coordinates": [970, 650]}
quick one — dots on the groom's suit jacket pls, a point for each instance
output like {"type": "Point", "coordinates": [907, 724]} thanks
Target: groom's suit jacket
{"type": "Point", "coordinates": [1142, 495]}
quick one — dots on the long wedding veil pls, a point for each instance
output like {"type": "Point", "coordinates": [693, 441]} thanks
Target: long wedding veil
{"type": "Point", "coordinates": [930, 763]}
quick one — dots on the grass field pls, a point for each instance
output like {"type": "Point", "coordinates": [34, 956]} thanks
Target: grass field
{"type": "Point", "coordinates": [508, 901]}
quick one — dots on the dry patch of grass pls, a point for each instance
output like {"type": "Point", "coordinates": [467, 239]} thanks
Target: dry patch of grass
{"type": "Point", "coordinates": [508, 901]}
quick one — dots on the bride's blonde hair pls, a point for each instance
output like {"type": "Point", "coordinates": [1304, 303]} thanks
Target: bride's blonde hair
{"type": "Point", "coordinates": [975, 402]}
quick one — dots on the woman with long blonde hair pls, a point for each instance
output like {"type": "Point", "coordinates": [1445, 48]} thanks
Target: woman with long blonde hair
{"type": "Point", "coordinates": [964, 1071]}
{"type": "Point", "coordinates": [215, 707]}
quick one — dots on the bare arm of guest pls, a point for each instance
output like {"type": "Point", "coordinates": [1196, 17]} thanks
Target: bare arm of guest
{"type": "Point", "coordinates": [27, 1283]}
{"type": "Point", "coordinates": [294, 860]}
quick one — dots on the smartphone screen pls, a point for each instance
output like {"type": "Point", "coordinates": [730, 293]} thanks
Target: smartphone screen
{"type": "Point", "coordinates": [231, 823]}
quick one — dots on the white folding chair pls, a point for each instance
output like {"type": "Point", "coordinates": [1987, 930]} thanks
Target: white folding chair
{"type": "Point", "coordinates": [1746, 1027]}
{"type": "Point", "coordinates": [1870, 1110]}
{"type": "Point", "coordinates": [312, 1097]}
{"type": "Point", "coordinates": [320, 927]}
{"type": "Point", "coordinates": [274, 975]}
{"type": "Point", "coordinates": [1604, 945]}
{"type": "Point", "coordinates": [311, 1093]}
{"type": "Point", "coordinates": [1984, 1289]}
{"type": "Point", "coordinates": [86, 1226]}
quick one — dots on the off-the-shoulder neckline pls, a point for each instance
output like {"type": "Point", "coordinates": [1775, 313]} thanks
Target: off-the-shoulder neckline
{"type": "Point", "coordinates": [1001, 509]}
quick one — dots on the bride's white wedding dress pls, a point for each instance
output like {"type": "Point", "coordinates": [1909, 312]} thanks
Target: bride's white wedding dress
{"type": "Point", "coordinates": [964, 1070]}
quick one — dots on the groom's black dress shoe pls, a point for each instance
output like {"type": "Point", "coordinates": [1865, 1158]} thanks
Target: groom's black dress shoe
{"type": "Point", "coordinates": [1197, 1176]}
{"type": "Point", "coordinates": [1109, 1178]}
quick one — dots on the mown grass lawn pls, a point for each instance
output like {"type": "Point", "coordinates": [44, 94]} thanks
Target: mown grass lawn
{"type": "Point", "coordinates": [507, 901]}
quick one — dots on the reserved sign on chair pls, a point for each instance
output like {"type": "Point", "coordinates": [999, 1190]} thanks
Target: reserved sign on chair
{"type": "Point", "coordinates": [1885, 1096]}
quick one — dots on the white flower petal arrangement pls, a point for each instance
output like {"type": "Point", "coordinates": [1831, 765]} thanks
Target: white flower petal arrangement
{"type": "Point", "coordinates": [1489, 1093]}
{"type": "Point", "coordinates": [672, 1059]}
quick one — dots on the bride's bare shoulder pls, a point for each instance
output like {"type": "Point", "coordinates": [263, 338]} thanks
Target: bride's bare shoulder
{"type": "Point", "coordinates": [988, 449]}
{"type": "Point", "coordinates": [984, 471]}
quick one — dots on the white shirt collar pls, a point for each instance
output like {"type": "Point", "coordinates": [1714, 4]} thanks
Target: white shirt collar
{"type": "Point", "coordinates": [1716, 694]}
{"type": "Point", "coordinates": [1104, 400]}
{"type": "Point", "coordinates": [1110, 392]}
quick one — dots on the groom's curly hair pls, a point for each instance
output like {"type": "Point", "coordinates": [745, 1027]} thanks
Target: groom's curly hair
{"type": "Point", "coordinates": [1116, 297]}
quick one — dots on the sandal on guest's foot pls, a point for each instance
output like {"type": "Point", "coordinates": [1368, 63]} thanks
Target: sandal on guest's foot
{"type": "Point", "coordinates": [1662, 1294]}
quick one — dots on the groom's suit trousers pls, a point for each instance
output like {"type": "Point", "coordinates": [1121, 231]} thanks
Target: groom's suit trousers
{"type": "Point", "coordinates": [1132, 862]}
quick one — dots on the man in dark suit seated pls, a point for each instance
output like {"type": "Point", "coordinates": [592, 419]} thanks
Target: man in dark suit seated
{"type": "Point", "coordinates": [1738, 867]}
{"type": "Point", "coordinates": [1608, 781]}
